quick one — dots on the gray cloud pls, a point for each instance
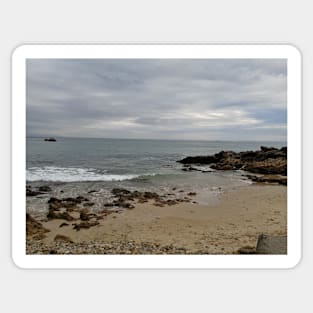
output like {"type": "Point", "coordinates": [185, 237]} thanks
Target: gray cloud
{"type": "Point", "coordinates": [212, 99]}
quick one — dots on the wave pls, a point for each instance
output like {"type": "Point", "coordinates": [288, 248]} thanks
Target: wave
{"type": "Point", "coordinates": [72, 174]}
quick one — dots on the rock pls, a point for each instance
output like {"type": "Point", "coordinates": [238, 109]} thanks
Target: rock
{"type": "Point", "coordinates": [88, 204]}
{"type": "Point", "coordinates": [52, 214]}
{"type": "Point", "coordinates": [151, 195]}
{"type": "Point", "coordinates": [267, 160]}
{"type": "Point", "coordinates": [53, 199]}
{"type": "Point", "coordinates": [50, 139]}
{"type": "Point", "coordinates": [270, 166]}
{"type": "Point", "coordinates": [85, 225]}
{"type": "Point", "coordinates": [192, 194]}
{"type": "Point", "coordinates": [63, 224]}
{"type": "Point", "coordinates": [81, 199]}
{"type": "Point", "coordinates": [62, 238]}
{"type": "Point", "coordinates": [84, 216]}
{"type": "Point", "coordinates": [271, 244]}
{"type": "Point", "coordinates": [247, 250]}
{"type": "Point", "coordinates": [55, 203]}
{"type": "Point", "coordinates": [34, 228]}
{"type": "Point", "coordinates": [32, 193]}
{"type": "Point", "coordinates": [120, 191]}
{"type": "Point", "coordinates": [44, 188]}
{"type": "Point", "coordinates": [272, 179]}
{"type": "Point", "coordinates": [198, 160]}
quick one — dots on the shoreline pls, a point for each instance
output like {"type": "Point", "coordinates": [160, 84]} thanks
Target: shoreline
{"type": "Point", "coordinates": [220, 227]}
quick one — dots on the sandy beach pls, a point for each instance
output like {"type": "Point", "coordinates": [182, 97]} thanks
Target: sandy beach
{"type": "Point", "coordinates": [233, 220]}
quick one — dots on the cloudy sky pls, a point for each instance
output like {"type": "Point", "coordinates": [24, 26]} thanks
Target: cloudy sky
{"type": "Point", "coordinates": [212, 99]}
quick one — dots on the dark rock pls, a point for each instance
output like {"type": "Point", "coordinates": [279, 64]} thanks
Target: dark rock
{"type": "Point", "coordinates": [120, 191]}
{"type": "Point", "coordinates": [272, 179]}
{"type": "Point", "coordinates": [44, 188]}
{"type": "Point", "coordinates": [85, 225]}
{"type": "Point", "coordinates": [198, 160]}
{"type": "Point", "coordinates": [266, 149]}
{"type": "Point", "coordinates": [192, 194]}
{"type": "Point", "coordinates": [62, 238]}
{"type": "Point", "coordinates": [81, 199]}
{"type": "Point", "coordinates": [32, 193]}
{"type": "Point", "coordinates": [247, 250]}
{"type": "Point", "coordinates": [52, 214]}
{"type": "Point", "coordinates": [150, 195]}
{"type": "Point", "coordinates": [84, 216]}
{"type": "Point", "coordinates": [55, 203]}
{"type": "Point", "coordinates": [53, 200]}
{"type": "Point", "coordinates": [50, 139]}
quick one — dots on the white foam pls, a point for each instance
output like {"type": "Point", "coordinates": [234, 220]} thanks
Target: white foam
{"type": "Point", "coordinates": [71, 174]}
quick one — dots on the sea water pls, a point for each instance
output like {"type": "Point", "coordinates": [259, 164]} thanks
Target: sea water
{"type": "Point", "coordinates": [92, 167]}
{"type": "Point", "coordinates": [89, 159]}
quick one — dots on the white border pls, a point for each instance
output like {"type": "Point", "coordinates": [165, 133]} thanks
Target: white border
{"type": "Point", "coordinates": [138, 51]}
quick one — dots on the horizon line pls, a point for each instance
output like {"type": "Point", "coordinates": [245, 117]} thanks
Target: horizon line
{"type": "Point", "coordinates": [123, 138]}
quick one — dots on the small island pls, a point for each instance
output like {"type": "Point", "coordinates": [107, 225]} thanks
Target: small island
{"type": "Point", "coordinates": [50, 139]}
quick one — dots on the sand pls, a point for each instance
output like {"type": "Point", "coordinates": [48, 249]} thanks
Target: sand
{"type": "Point", "coordinates": [235, 220]}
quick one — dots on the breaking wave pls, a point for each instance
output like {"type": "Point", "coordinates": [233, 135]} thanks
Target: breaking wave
{"type": "Point", "coordinates": [72, 174]}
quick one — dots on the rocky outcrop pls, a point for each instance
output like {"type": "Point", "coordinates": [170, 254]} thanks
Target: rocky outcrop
{"type": "Point", "coordinates": [267, 160]}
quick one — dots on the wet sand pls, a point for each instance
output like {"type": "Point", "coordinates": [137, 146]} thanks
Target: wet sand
{"type": "Point", "coordinates": [221, 227]}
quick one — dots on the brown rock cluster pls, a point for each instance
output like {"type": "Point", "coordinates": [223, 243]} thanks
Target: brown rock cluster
{"type": "Point", "coordinates": [63, 209]}
{"type": "Point", "coordinates": [267, 160]}
{"type": "Point", "coordinates": [124, 198]}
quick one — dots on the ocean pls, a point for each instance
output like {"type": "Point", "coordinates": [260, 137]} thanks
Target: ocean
{"type": "Point", "coordinates": [93, 167]}
{"type": "Point", "coordinates": [89, 159]}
